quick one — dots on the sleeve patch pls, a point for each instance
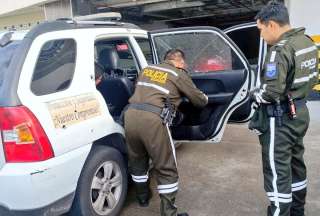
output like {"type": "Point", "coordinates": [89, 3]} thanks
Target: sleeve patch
{"type": "Point", "coordinates": [271, 71]}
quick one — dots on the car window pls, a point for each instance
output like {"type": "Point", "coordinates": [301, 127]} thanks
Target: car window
{"type": "Point", "coordinates": [205, 51]}
{"type": "Point", "coordinates": [116, 57]}
{"type": "Point", "coordinates": [146, 49]}
{"type": "Point", "coordinates": [55, 67]}
{"type": "Point", "coordinates": [6, 54]}
{"type": "Point", "coordinates": [248, 40]}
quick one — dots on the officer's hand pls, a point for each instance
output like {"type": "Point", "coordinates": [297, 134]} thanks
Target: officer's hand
{"type": "Point", "coordinates": [254, 95]}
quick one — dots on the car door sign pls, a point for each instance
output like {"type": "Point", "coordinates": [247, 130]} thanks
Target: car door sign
{"type": "Point", "coordinates": [72, 110]}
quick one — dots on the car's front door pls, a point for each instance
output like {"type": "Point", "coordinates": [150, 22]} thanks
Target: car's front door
{"type": "Point", "coordinates": [217, 67]}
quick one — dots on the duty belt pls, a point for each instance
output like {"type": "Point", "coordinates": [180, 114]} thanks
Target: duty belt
{"type": "Point", "coordinates": [284, 106]}
{"type": "Point", "coordinates": [167, 113]}
{"type": "Point", "coordinates": [146, 107]}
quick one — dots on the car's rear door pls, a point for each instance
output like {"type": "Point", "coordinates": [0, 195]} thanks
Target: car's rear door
{"type": "Point", "coordinates": [217, 67]}
{"type": "Point", "coordinates": [57, 85]}
{"type": "Point", "coordinates": [247, 38]}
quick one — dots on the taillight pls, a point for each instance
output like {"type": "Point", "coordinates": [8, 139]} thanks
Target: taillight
{"type": "Point", "coordinates": [24, 140]}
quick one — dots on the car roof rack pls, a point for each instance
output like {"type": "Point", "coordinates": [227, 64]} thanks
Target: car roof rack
{"type": "Point", "coordinates": [108, 16]}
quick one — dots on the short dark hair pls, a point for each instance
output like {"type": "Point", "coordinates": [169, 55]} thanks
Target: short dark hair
{"type": "Point", "coordinates": [274, 11]}
{"type": "Point", "coordinates": [170, 53]}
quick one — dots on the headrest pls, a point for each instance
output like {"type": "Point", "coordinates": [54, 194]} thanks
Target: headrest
{"type": "Point", "coordinates": [109, 58]}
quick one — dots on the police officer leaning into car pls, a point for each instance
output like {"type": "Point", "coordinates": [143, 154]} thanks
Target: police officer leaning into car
{"type": "Point", "coordinates": [159, 91]}
{"type": "Point", "coordinates": [289, 73]}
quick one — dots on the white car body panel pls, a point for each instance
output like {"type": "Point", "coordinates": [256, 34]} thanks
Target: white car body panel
{"type": "Point", "coordinates": [66, 139]}
{"type": "Point", "coordinates": [33, 185]}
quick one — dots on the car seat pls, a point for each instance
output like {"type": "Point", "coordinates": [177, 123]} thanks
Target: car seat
{"type": "Point", "coordinates": [115, 88]}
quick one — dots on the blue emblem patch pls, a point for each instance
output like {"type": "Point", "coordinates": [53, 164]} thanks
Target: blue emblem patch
{"type": "Point", "coordinates": [271, 72]}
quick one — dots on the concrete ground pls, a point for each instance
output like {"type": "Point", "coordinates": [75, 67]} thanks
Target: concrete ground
{"type": "Point", "coordinates": [225, 179]}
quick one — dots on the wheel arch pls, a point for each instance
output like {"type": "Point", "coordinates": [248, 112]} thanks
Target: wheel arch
{"type": "Point", "coordinates": [114, 140]}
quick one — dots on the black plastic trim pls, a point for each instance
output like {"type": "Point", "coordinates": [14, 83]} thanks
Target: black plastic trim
{"type": "Point", "coordinates": [59, 207]}
{"type": "Point", "coordinates": [220, 98]}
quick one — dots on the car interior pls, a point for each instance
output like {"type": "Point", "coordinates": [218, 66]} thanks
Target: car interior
{"type": "Point", "coordinates": [120, 71]}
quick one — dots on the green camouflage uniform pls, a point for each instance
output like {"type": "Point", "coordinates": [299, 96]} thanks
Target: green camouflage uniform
{"type": "Point", "coordinates": [290, 68]}
{"type": "Point", "coordinates": [146, 135]}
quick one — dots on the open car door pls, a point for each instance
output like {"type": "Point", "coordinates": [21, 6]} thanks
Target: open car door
{"type": "Point", "coordinates": [247, 37]}
{"type": "Point", "coordinates": [217, 67]}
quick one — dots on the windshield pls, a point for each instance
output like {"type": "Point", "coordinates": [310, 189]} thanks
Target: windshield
{"type": "Point", "coordinates": [6, 54]}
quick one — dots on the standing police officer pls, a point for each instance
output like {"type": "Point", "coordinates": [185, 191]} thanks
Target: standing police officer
{"type": "Point", "coordinates": [158, 93]}
{"type": "Point", "coordinates": [282, 119]}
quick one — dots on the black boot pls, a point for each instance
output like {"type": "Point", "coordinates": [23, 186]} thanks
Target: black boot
{"type": "Point", "coordinates": [143, 194]}
{"type": "Point", "coordinates": [143, 202]}
{"type": "Point", "coordinates": [183, 214]}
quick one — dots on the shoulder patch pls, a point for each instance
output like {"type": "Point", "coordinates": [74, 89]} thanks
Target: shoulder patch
{"type": "Point", "coordinates": [271, 71]}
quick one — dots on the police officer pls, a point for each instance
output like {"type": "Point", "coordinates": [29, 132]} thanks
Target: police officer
{"type": "Point", "coordinates": [158, 93]}
{"type": "Point", "coordinates": [289, 73]}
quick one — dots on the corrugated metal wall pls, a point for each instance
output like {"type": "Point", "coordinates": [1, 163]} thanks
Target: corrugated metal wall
{"type": "Point", "coordinates": [59, 9]}
{"type": "Point", "coordinates": [30, 16]}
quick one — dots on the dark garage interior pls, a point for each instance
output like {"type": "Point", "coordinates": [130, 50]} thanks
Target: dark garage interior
{"type": "Point", "coordinates": [175, 13]}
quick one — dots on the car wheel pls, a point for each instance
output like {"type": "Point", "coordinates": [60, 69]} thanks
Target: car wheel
{"type": "Point", "coordinates": [102, 186]}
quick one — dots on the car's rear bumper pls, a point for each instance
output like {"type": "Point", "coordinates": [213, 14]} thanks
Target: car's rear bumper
{"type": "Point", "coordinates": [59, 207]}
{"type": "Point", "coordinates": [41, 186]}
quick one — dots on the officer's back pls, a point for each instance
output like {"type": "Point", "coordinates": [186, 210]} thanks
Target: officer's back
{"type": "Point", "coordinates": [157, 83]}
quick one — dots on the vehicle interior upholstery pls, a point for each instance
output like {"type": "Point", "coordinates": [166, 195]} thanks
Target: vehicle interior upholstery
{"type": "Point", "coordinates": [220, 87]}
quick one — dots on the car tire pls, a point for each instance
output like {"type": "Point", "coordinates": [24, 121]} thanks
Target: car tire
{"type": "Point", "coordinates": [103, 183]}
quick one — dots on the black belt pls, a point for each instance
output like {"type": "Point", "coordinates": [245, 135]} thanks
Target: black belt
{"type": "Point", "coordinates": [271, 108]}
{"type": "Point", "coordinates": [146, 107]}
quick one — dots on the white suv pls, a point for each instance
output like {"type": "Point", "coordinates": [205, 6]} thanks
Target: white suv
{"type": "Point", "coordinates": [62, 147]}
